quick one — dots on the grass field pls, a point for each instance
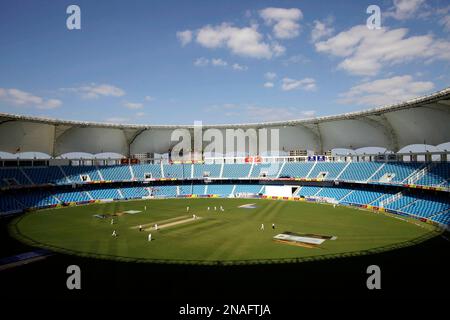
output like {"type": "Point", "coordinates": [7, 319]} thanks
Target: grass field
{"type": "Point", "coordinates": [216, 236]}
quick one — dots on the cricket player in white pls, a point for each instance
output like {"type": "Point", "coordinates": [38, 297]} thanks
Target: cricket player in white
{"type": "Point", "coordinates": [262, 226]}
{"type": "Point", "coordinates": [149, 237]}
{"type": "Point", "coordinates": [156, 226]}
{"type": "Point", "coordinates": [112, 221]}
{"type": "Point", "coordinates": [187, 209]}
{"type": "Point", "coordinates": [208, 208]}
{"type": "Point", "coordinates": [114, 234]}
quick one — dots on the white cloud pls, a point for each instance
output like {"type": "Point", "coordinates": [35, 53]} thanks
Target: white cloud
{"type": "Point", "coordinates": [321, 29]}
{"type": "Point", "coordinates": [366, 51]}
{"type": "Point", "coordinates": [149, 98]}
{"type": "Point", "coordinates": [404, 9]}
{"type": "Point", "coordinates": [445, 22]}
{"type": "Point", "coordinates": [133, 105]}
{"type": "Point", "coordinates": [219, 63]}
{"type": "Point", "coordinates": [256, 113]}
{"type": "Point", "coordinates": [386, 91]}
{"type": "Point", "coordinates": [184, 37]}
{"type": "Point", "coordinates": [268, 84]}
{"type": "Point", "coordinates": [94, 91]}
{"type": "Point", "coordinates": [284, 21]}
{"type": "Point", "coordinates": [298, 58]}
{"type": "Point", "coordinates": [22, 98]}
{"type": "Point", "coordinates": [277, 49]}
{"type": "Point", "coordinates": [253, 113]}
{"type": "Point", "coordinates": [238, 67]}
{"type": "Point", "coordinates": [201, 62]}
{"type": "Point", "coordinates": [270, 75]}
{"type": "Point", "coordinates": [307, 84]}
{"type": "Point", "coordinates": [245, 41]}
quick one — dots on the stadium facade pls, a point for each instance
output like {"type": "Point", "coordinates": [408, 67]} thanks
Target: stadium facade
{"type": "Point", "coordinates": [412, 188]}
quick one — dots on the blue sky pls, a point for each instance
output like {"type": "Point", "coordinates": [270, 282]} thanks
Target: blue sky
{"type": "Point", "coordinates": [174, 62]}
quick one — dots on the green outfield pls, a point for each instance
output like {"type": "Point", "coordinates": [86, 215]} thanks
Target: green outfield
{"type": "Point", "coordinates": [231, 235]}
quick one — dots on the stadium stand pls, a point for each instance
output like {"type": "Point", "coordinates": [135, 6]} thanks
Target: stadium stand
{"type": "Point", "coordinates": [164, 191]}
{"type": "Point", "coordinates": [223, 190]}
{"type": "Point", "coordinates": [238, 170]}
{"type": "Point", "coordinates": [266, 170]}
{"type": "Point", "coordinates": [147, 171]}
{"type": "Point", "coordinates": [438, 174]}
{"type": "Point", "coordinates": [435, 208]}
{"type": "Point", "coordinates": [308, 191]}
{"type": "Point", "coordinates": [72, 196]}
{"type": "Point", "coordinates": [175, 171]}
{"type": "Point", "coordinates": [100, 194]}
{"type": "Point", "coordinates": [12, 177]}
{"type": "Point", "coordinates": [80, 174]}
{"type": "Point", "coordinates": [395, 172]}
{"type": "Point", "coordinates": [134, 192]}
{"type": "Point", "coordinates": [296, 169]}
{"type": "Point", "coordinates": [115, 173]}
{"type": "Point", "coordinates": [209, 170]}
{"type": "Point", "coordinates": [359, 171]}
{"type": "Point", "coordinates": [327, 170]}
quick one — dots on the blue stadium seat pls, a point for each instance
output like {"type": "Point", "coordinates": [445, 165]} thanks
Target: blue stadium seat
{"type": "Point", "coordinates": [115, 173]}
{"type": "Point", "coordinates": [438, 175]}
{"type": "Point", "coordinates": [399, 171]}
{"type": "Point", "coordinates": [176, 171]}
{"type": "Point", "coordinates": [223, 190]}
{"type": "Point", "coordinates": [296, 169]}
{"type": "Point", "coordinates": [165, 191]}
{"type": "Point", "coordinates": [15, 175]}
{"type": "Point", "coordinates": [134, 192]}
{"type": "Point", "coordinates": [141, 170]}
{"type": "Point", "coordinates": [99, 194]}
{"type": "Point", "coordinates": [266, 169]}
{"type": "Point", "coordinates": [212, 169]}
{"type": "Point", "coordinates": [307, 191]}
{"type": "Point", "coordinates": [72, 196]}
{"type": "Point", "coordinates": [46, 175]}
{"type": "Point", "coordinates": [330, 169]}
{"type": "Point", "coordinates": [75, 173]}
{"type": "Point", "coordinates": [335, 193]}
{"type": "Point", "coordinates": [8, 203]}
{"type": "Point", "coordinates": [359, 171]}
{"type": "Point", "coordinates": [238, 170]}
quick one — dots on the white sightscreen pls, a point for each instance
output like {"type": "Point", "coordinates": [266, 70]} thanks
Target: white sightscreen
{"type": "Point", "coordinates": [279, 191]}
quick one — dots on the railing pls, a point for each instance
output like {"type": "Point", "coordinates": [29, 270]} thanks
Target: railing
{"type": "Point", "coordinates": [389, 200]}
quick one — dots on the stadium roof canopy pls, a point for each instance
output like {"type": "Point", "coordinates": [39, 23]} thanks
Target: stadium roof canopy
{"type": "Point", "coordinates": [417, 121]}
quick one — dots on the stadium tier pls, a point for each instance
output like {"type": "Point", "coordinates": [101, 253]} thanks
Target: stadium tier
{"type": "Point", "coordinates": [437, 174]}
{"type": "Point", "coordinates": [82, 184]}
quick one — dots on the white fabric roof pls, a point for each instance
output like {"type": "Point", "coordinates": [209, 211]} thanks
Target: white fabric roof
{"type": "Point", "coordinates": [421, 120]}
